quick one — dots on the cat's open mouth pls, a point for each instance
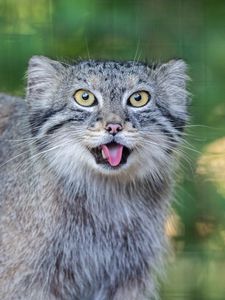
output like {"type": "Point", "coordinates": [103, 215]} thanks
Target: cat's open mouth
{"type": "Point", "coordinates": [112, 154]}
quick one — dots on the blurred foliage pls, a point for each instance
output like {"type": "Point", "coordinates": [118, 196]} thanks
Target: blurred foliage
{"type": "Point", "coordinates": [153, 31]}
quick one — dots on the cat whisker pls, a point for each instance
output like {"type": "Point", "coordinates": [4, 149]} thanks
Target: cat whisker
{"type": "Point", "coordinates": [136, 52]}
{"type": "Point", "coordinates": [174, 150]}
{"type": "Point", "coordinates": [87, 48]}
{"type": "Point", "coordinates": [31, 157]}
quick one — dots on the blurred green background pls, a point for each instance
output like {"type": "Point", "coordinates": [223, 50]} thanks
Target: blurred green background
{"type": "Point", "coordinates": [152, 31]}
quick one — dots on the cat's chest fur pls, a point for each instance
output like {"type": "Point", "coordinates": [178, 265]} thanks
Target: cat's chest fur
{"type": "Point", "coordinates": [95, 243]}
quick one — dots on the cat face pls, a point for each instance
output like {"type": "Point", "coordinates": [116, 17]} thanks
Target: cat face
{"type": "Point", "coordinates": [108, 117]}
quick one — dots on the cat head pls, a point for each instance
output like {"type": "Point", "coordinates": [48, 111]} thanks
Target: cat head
{"type": "Point", "coordinates": [111, 118]}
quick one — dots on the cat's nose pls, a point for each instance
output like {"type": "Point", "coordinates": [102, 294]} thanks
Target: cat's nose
{"type": "Point", "coordinates": [113, 128]}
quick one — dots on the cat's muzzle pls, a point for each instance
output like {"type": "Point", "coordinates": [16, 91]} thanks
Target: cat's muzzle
{"type": "Point", "coordinates": [112, 155]}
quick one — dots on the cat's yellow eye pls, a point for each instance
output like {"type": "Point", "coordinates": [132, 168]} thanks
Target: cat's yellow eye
{"type": "Point", "coordinates": [84, 98]}
{"type": "Point", "coordinates": [139, 99]}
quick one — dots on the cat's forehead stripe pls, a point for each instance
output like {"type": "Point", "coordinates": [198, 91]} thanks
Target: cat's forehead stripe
{"type": "Point", "coordinates": [111, 67]}
{"type": "Point", "coordinates": [103, 74]}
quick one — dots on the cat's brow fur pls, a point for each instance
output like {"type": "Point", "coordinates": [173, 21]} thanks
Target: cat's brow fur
{"type": "Point", "coordinates": [71, 229]}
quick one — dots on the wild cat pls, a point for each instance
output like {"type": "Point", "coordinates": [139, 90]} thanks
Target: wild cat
{"type": "Point", "coordinates": [87, 167]}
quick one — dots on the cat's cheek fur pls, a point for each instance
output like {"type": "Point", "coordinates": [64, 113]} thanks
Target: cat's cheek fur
{"type": "Point", "coordinates": [73, 160]}
{"type": "Point", "coordinates": [68, 159]}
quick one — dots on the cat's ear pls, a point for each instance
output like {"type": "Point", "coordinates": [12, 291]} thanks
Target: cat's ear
{"type": "Point", "coordinates": [172, 79]}
{"type": "Point", "coordinates": [175, 70]}
{"type": "Point", "coordinates": [43, 76]}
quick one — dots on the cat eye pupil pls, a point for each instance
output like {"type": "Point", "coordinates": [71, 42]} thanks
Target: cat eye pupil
{"type": "Point", "coordinates": [137, 97]}
{"type": "Point", "coordinates": [85, 96]}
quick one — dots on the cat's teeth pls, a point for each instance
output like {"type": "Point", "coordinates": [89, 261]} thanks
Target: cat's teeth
{"type": "Point", "coordinates": [103, 154]}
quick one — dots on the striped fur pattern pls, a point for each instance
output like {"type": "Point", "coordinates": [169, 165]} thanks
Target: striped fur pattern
{"type": "Point", "coordinates": [72, 229]}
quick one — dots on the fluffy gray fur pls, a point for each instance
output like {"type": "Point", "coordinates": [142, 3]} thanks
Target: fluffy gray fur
{"type": "Point", "coordinates": [70, 228]}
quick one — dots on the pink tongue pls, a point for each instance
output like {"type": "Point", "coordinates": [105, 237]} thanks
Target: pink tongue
{"type": "Point", "coordinates": [113, 153]}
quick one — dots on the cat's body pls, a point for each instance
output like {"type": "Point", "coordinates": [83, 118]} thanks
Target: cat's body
{"type": "Point", "coordinates": [74, 226]}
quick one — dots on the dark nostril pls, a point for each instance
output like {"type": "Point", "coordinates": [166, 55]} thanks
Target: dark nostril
{"type": "Point", "coordinates": [113, 128]}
